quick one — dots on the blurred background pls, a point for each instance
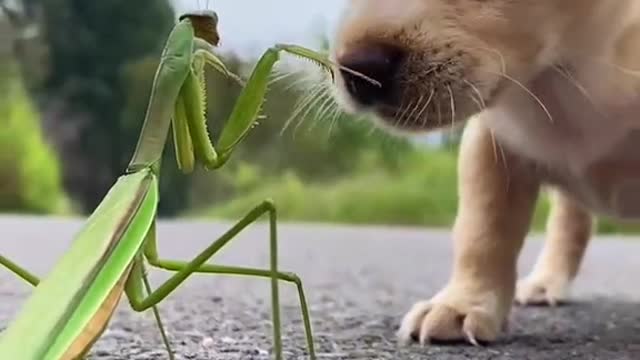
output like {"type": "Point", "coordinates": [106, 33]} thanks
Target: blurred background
{"type": "Point", "coordinates": [75, 76]}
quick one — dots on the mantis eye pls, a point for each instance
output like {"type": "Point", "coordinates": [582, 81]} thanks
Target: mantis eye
{"type": "Point", "coordinates": [205, 25]}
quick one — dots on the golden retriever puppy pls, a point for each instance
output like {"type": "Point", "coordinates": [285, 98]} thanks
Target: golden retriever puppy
{"type": "Point", "coordinates": [548, 93]}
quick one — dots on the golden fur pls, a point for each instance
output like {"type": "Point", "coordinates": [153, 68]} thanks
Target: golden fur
{"type": "Point", "coordinates": [548, 92]}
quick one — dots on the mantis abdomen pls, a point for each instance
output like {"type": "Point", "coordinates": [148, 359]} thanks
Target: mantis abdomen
{"type": "Point", "coordinates": [98, 323]}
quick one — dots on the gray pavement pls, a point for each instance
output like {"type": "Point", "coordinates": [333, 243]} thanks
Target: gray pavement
{"type": "Point", "coordinates": [359, 283]}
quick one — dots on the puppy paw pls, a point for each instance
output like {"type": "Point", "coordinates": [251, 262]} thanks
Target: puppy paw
{"type": "Point", "coordinates": [452, 318]}
{"type": "Point", "coordinates": [546, 290]}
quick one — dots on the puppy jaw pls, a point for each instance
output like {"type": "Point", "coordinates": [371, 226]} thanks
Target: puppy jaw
{"type": "Point", "coordinates": [459, 54]}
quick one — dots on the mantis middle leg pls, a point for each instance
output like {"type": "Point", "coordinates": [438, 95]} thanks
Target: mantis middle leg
{"type": "Point", "coordinates": [140, 302]}
{"type": "Point", "coordinates": [21, 272]}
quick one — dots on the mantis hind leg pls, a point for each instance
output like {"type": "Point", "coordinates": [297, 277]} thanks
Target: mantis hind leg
{"type": "Point", "coordinates": [156, 313]}
{"type": "Point", "coordinates": [185, 269]}
{"type": "Point", "coordinates": [21, 272]}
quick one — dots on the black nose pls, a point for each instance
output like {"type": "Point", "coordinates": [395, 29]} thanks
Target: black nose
{"type": "Point", "coordinates": [378, 62]}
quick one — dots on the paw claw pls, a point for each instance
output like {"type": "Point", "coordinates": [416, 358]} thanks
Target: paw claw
{"type": "Point", "coordinates": [425, 341]}
{"type": "Point", "coordinates": [543, 290]}
{"type": "Point", "coordinates": [449, 320]}
{"type": "Point", "coordinates": [471, 338]}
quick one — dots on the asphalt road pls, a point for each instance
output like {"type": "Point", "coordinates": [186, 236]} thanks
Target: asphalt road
{"type": "Point", "coordinates": [359, 283]}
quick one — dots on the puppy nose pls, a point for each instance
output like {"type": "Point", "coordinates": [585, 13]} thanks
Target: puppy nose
{"type": "Point", "coordinates": [378, 62]}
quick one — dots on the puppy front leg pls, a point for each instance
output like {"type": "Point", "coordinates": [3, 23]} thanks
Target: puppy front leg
{"type": "Point", "coordinates": [498, 192]}
{"type": "Point", "coordinates": [569, 229]}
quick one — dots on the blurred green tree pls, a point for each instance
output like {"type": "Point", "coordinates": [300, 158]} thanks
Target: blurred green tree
{"type": "Point", "coordinates": [30, 179]}
{"type": "Point", "coordinates": [92, 110]}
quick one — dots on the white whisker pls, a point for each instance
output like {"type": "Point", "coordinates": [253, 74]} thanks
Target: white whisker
{"type": "Point", "coordinates": [506, 165]}
{"type": "Point", "coordinates": [533, 96]}
{"type": "Point", "coordinates": [634, 73]}
{"type": "Point", "coordinates": [503, 62]}
{"type": "Point", "coordinates": [372, 128]}
{"type": "Point", "coordinates": [478, 103]}
{"type": "Point", "coordinates": [333, 118]}
{"type": "Point", "coordinates": [324, 106]}
{"type": "Point", "coordinates": [626, 71]}
{"type": "Point", "coordinates": [277, 77]}
{"type": "Point", "coordinates": [495, 146]}
{"type": "Point", "coordinates": [297, 82]}
{"type": "Point", "coordinates": [477, 91]}
{"type": "Point", "coordinates": [415, 108]}
{"type": "Point", "coordinates": [425, 107]}
{"type": "Point", "coordinates": [435, 65]}
{"type": "Point", "coordinates": [398, 110]}
{"type": "Point", "coordinates": [453, 108]}
{"type": "Point", "coordinates": [302, 104]}
{"type": "Point", "coordinates": [321, 94]}
{"type": "Point", "coordinates": [400, 120]}
{"type": "Point", "coordinates": [573, 81]}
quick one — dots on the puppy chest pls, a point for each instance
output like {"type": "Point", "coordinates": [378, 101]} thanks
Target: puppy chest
{"type": "Point", "coordinates": [588, 145]}
{"type": "Point", "coordinates": [610, 184]}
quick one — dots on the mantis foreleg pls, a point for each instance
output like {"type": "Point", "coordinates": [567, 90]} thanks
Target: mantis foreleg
{"type": "Point", "coordinates": [189, 126]}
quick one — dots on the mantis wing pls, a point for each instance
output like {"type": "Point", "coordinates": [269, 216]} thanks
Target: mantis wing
{"type": "Point", "coordinates": [54, 322]}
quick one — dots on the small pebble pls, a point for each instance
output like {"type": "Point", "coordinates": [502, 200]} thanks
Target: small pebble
{"type": "Point", "coordinates": [208, 342]}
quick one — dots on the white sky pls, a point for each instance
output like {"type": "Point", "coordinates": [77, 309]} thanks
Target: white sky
{"type": "Point", "coordinates": [250, 26]}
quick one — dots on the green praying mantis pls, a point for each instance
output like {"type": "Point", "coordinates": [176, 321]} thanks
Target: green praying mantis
{"type": "Point", "coordinates": [71, 307]}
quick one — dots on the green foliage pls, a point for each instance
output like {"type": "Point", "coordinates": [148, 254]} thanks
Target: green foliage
{"type": "Point", "coordinates": [421, 190]}
{"type": "Point", "coordinates": [30, 178]}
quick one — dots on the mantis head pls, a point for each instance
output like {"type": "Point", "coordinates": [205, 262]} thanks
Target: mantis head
{"type": "Point", "coordinates": [205, 25]}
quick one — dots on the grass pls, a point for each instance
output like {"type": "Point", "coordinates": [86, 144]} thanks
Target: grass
{"type": "Point", "coordinates": [370, 196]}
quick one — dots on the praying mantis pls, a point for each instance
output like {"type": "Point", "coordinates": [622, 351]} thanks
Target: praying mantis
{"type": "Point", "coordinates": [71, 307]}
